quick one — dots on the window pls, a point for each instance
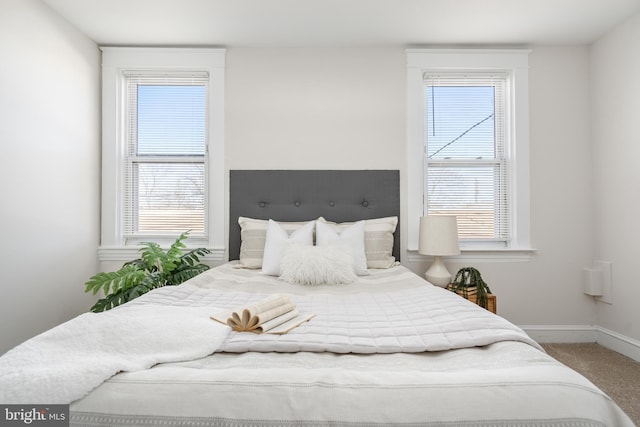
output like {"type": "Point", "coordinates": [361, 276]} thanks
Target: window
{"type": "Point", "coordinates": [465, 161]}
{"type": "Point", "coordinates": [163, 148]}
{"type": "Point", "coordinates": [165, 182]}
{"type": "Point", "coordinates": [467, 146]}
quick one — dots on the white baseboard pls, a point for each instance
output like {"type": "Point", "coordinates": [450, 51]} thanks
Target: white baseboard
{"type": "Point", "coordinates": [585, 333]}
{"type": "Point", "coordinates": [562, 333]}
{"type": "Point", "coordinates": [620, 343]}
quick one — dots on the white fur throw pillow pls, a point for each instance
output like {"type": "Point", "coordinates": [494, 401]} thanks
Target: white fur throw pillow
{"type": "Point", "coordinates": [317, 265]}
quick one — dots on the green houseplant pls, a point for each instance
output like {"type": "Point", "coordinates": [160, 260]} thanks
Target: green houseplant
{"type": "Point", "coordinates": [155, 268]}
{"type": "Point", "coordinates": [469, 278]}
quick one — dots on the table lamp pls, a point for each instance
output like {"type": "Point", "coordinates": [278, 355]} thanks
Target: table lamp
{"type": "Point", "coordinates": [438, 237]}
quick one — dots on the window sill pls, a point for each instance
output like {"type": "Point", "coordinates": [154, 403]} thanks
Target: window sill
{"type": "Point", "coordinates": [480, 255]}
{"type": "Point", "coordinates": [128, 253]}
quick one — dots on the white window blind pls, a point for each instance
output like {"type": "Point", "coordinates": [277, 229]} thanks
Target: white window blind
{"type": "Point", "coordinates": [466, 170]}
{"type": "Point", "coordinates": [165, 184]}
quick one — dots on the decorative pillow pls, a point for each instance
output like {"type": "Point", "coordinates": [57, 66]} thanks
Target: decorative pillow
{"type": "Point", "coordinates": [253, 233]}
{"type": "Point", "coordinates": [276, 241]}
{"type": "Point", "coordinates": [378, 239]}
{"type": "Point", "coordinates": [351, 237]}
{"type": "Point", "coordinates": [317, 265]}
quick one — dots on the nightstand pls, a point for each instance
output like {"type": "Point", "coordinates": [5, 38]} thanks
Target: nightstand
{"type": "Point", "coordinates": [491, 300]}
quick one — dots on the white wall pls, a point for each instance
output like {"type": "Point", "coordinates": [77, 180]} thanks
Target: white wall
{"type": "Point", "coordinates": [49, 169]}
{"type": "Point", "coordinates": [345, 108]}
{"type": "Point", "coordinates": [315, 108]}
{"type": "Point", "coordinates": [615, 109]}
{"type": "Point", "coordinates": [547, 290]}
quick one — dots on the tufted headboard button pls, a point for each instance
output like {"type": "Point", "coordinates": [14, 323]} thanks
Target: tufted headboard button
{"type": "Point", "coordinates": [262, 204]}
{"type": "Point", "coordinates": [365, 203]}
{"type": "Point", "coordinates": [297, 204]}
{"type": "Point", "coordinates": [332, 203]}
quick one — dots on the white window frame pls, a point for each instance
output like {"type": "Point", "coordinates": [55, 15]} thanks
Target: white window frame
{"type": "Point", "coordinates": [514, 62]}
{"type": "Point", "coordinates": [116, 61]}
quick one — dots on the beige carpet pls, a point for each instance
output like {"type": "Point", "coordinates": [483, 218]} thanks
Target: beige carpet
{"type": "Point", "coordinates": [615, 374]}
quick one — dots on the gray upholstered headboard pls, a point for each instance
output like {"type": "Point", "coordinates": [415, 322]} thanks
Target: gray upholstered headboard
{"type": "Point", "coordinates": [302, 195]}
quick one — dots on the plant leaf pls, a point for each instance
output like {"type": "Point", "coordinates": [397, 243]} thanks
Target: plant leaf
{"type": "Point", "coordinates": [185, 273]}
{"type": "Point", "coordinates": [154, 280]}
{"type": "Point", "coordinates": [153, 256]}
{"type": "Point", "coordinates": [110, 301]}
{"type": "Point", "coordinates": [124, 278]}
{"type": "Point", "coordinates": [193, 256]}
{"type": "Point", "coordinates": [137, 262]}
{"type": "Point", "coordinates": [174, 253]}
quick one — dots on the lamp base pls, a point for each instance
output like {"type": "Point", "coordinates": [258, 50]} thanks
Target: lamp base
{"type": "Point", "coordinates": [438, 274]}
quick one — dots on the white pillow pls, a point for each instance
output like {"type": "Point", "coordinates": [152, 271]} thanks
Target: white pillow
{"type": "Point", "coordinates": [277, 239]}
{"type": "Point", "coordinates": [351, 237]}
{"type": "Point", "coordinates": [317, 265]}
{"type": "Point", "coordinates": [378, 239]}
{"type": "Point", "coordinates": [253, 234]}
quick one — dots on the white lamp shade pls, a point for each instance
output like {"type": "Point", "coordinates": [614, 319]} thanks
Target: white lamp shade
{"type": "Point", "coordinates": [438, 235]}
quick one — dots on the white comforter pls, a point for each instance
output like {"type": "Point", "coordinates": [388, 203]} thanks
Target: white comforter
{"type": "Point", "coordinates": [377, 339]}
{"type": "Point", "coordinates": [391, 311]}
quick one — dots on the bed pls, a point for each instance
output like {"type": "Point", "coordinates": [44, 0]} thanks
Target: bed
{"type": "Point", "coordinates": [384, 349]}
